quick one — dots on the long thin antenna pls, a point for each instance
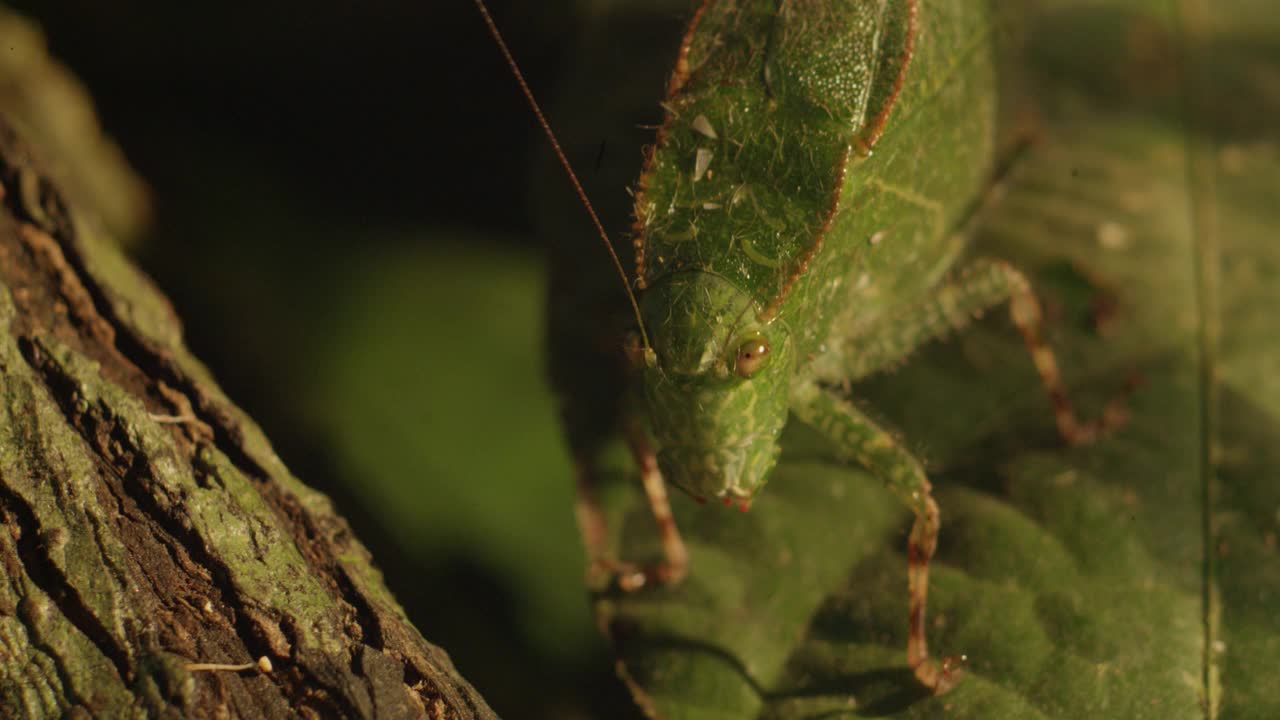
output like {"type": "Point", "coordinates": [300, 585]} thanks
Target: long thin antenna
{"type": "Point", "coordinates": [564, 162]}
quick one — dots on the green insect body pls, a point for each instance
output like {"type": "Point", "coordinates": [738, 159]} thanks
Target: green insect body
{"type": "Point", "coordinates": [792, 232]}
{"type": "Point", "coordinates": [797, 225]}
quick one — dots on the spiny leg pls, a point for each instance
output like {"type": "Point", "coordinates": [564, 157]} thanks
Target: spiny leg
{"type": "Point", "coordinates": [1024, 308]}
{"type": "Point", "coordinates": [861, 440]}
{"type": "Point", "coordinates": [676, 562]}
{"type": "Point", "coordinates": [591, 522]}
{"type": "Point", "coordinates": [594, 528]}
{"type": "Point", "coordinates": [980, 286]}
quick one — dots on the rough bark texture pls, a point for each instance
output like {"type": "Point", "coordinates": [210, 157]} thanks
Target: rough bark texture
{"type": "Point", "coordinates": [146, 524]}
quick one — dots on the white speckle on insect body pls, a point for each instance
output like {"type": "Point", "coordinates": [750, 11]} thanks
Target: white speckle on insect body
{"type": "Point", "coordinates": [1112, 236]}
{"type": "Point", "coordinates": [702, 161]}
{"type": "Point", "coordinates": [876, 238]}
{"type": "Point", "coordinates": [703, 126]}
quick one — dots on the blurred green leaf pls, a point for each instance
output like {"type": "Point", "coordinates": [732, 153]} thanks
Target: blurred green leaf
{"type": "Point", "coordinates": [431, 393]}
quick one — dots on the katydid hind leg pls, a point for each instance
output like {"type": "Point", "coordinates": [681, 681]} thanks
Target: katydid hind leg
{"type": "Point", "coordinates": [860, 439]}
{"type": "Point", "coordinates": [948, 308]}
{"type": "Point", "coordinates": [980, 286]}
{"type": "Point", "coordinates": [1027, 316]}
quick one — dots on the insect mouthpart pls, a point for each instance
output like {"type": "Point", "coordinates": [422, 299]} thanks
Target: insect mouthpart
{"type": "Point", "coordinates": [734, 474]}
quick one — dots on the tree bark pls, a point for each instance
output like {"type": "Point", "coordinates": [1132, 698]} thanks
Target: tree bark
{"type": "Point", "coordinates": [146, 525]}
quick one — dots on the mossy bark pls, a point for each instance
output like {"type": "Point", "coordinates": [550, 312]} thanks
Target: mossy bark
{"type": "Point", "coordinates": [147, 525]}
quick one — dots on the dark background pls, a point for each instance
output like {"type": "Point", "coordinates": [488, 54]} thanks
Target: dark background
{"type": "Point", "coordinates": [351, 104]}
{"type": "Point", "coordinates": [281, 140]}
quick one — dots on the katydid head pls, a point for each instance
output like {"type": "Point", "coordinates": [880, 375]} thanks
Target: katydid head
{"type": "Point", "coordinates": [715, 377]}
{"type": "Point", "coordinates": [716, 385]}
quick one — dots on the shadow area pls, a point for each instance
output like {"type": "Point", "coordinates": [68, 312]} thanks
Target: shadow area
{"type": "Point", "coordinates": [880, 693]}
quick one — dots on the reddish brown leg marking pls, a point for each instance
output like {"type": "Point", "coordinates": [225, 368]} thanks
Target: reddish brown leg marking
{"type": "Point", "coordinates": [861, 440]}
{"type": "Point", "coordinates": [676, 563]}
{"type": "Point", "coordinates": [591, 522]}
{"type": "Point", "coordinates": [1024, 308]}
{"type": "Point", "coordinates": [595, 534]}
{"type": "Point", "coordinates": [983, 284]}
{"type": "Point", "coordinates": [939, 676]}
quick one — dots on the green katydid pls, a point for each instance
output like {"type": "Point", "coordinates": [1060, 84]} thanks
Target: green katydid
{"type": "Point", "coordinates": [791, 236]}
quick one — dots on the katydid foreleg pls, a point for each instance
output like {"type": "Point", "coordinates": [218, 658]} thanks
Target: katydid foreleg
{"type": "Point", "coordinates": [861, 440]}
{"type": "Point", "coordinates": [591, 522]}
{"type": "Point", "coordinates": [601, 568]}
{"type": "Point", "coordinates": [675, 556]}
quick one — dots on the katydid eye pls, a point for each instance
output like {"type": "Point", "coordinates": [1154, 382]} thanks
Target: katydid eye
{"type": "Point", "coordinates": [751, 356]}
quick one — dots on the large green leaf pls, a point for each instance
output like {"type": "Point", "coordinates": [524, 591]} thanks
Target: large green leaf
{"type": "Point", "coordinates": [1133, 578]}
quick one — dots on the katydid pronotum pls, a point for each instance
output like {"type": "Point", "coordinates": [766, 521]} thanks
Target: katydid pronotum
{"type": "Point", "coordinates": [795, 229]}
